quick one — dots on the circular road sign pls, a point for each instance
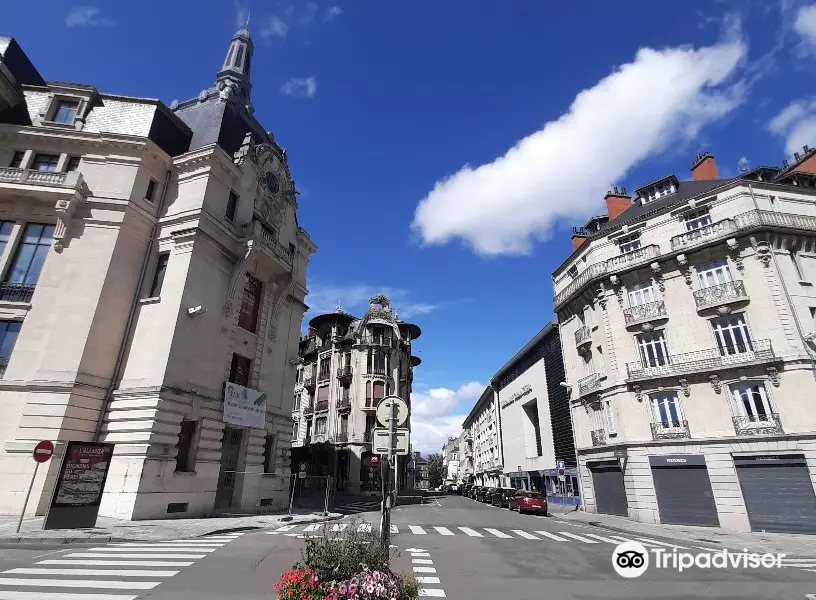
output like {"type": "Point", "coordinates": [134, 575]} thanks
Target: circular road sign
{"type": "Point", "coordinates": [303, 466]}
{"type": "Point", "coordinates": [43, 451]}
{"type": "Point", "coordinates": [384, 410]}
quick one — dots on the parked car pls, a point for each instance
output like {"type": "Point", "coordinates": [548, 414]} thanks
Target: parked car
{"type": "Point", "coordinates": [473, 491]}
{"type": "Point", "coordinates": [525, 501]}
{"type": "Point", "coordinates": [501, 496]}
{"type": "Point", "coordinates": [465, 490]}
{"type": "Point", "coordinates": [484, 494]}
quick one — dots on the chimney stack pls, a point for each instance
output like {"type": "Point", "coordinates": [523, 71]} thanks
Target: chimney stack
{"type": "Point", "coordinates": [704, 167]}
{"type": "Point", "coordinates": [579, 236]}
{"type": "Point", "coordinates": [312, 332]}
{"type": "Point", "coordinates": [617, 201]}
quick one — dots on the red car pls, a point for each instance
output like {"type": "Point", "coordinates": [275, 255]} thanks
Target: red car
{"type": "Point", "coordinates": [525, 501]}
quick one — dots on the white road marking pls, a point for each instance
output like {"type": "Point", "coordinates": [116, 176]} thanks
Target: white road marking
{"type": "Point", "coordinates": [421, 554]}
{"type": "Point", "coordinates": [364, 527]}
{"type": "Point", "coordinates": [424, 570]}
{"type": "Point", "coordinates": [432, 592]}
{"type": "Point", "coordinates": [416, 529]}
{"type": "Point", "coordinates": [394, 529]}
{"type": "Point", "coordinates": [421, 561]}
{"type": "Point", "coordinates": [136, 551]}
{"type": "Point", "coordinates": [580, 538]}
{"type": "Point", "coordinates": [523, 534]}
{"type": "Point", "coordinates": [651, 541]}
{"type": "Point", "coordinates": [444, 530]}
{"type": "Point", "coordinates": [104, 555]}
{"type": "Point", "coordinates": [552, 536]}
{"type": "Point", "coordinates": [602, 538]}
{"type": "Point", "coordinates": [12, 595]}
{"type": "Point", "coordinates": [427, 579]}
{"type": "Point", "coordinates": [470, 532]}
{"type": "Point", "coordinates": [286, 528]}
{"type": "Point", "coordinates": [116, 563]}
{"type": "Point", "coordinates": [811, 570]}
{"type": "Point", "coordinates": [339, 526]}
{"type": "Point", "coordinates": [559, 521]}
{"type": "Point", "coordinates": [312, 527]}
{"type": "Point", "coordinates": [497, 533]}
{"type": "Point", "coordinates": [81, 583]}
{"type": "Point", "coordinates": [93, 572]}
{"type": "Point", "coordinates": [169, 545]}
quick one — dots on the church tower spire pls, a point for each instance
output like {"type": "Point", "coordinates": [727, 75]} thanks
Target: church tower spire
{"type": "Point", "coordinates": [233, 80]}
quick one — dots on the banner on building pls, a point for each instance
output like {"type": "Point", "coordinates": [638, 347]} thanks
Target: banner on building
{"type": "Point", "coordinates": [244, 407]}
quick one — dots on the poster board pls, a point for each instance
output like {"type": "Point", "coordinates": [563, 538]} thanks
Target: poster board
{"type": "Point", "coordinates": [244, 407]}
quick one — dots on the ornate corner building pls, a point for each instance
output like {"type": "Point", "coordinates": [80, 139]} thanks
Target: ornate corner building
{"type": "Point", "coordinates": [687, 317]}
{"type": "Point", "coordinates": [347, 365]}
{"type": "Point", "coordinates": [149, 254]}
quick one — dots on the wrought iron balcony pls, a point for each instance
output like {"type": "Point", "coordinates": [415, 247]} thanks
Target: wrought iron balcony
{"type": "Point", "coordinates": [341, 438]}
{"type": "Point", "coordinates": [704, 234]}
{"type": "Point", "coordinates": [344, 372]}
{"type": "Point", "coordinates": [311, 346]}
{"type": "Point", "coordinates": [368, 436]}
{"type": "Point", "coordinates": [377, 371]}
{"type": "Point", "coordinates": [588, 384]}
{"type": "Point", "coordinates": [323, 376]}
{"type": "Point", "coordinates": [598, 437]}
{"type": "Point", "coordinates": [583, 336]}
{"type": "Point", "coordinates": [344, 404]}
{"type": "Point", "coordinates": [308, 408]}
{"type": "Point", "coordinates": [322, 405]}
{"type": "Point", "coordinates": [16, 292]}
{"type": "Point", "coordinates": [309, 381]}
{"type": "Point", "coordinates": [759, 351]}
{"type": "Point", "coordinates": [670, 430]}
{"type": "Point", "coordinates": [718, 295]}
{"type": "Point", "coordinates": [758, 425]}
{"type": "Point", "coordinates": [630, 259]}
{"type": "Point", "coordinates": [643, 313]}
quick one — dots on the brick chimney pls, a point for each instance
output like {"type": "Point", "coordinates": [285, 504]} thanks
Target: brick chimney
{"type": "Point", "coordinates": [617, 201]}
{"type": "Point", "coordinates": [579, 236]}
{"type": "Point", "coordinates": [311, 332]}
{"type": "Point", "coordinates": [704, 167]}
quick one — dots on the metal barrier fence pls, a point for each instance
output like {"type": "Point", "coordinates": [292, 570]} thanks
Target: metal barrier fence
{"type": "Point", "coordinates": [313, 493]}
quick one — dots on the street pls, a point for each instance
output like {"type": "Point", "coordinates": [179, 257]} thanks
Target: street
{"type": "Point", "coordinates": [457, 547]}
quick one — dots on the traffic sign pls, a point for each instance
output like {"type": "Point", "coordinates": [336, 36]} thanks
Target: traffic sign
{"type": "Point", "coordinates": [381, 439]}
{"type": "Point", "coordinates": [384, 410]}
{"type": "Point", "coordinates": [559, 464]}
{"type": "Point", "coordinates": [43, 451]}
{"type": "Point", "coordinates": [302, 467]}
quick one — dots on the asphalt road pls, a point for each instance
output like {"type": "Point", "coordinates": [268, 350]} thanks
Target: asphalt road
{"type": "Point", "coordinates": [463, 550]}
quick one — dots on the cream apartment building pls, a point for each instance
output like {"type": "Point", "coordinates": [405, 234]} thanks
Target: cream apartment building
{"type": "Point", "coordinates": [686, 314]}
{"type": "Point", "coordinates": [149, 256]}
{"type": "Point", "coordinates": [482, 440]}
{"type": "Point", "coordinates": [347, 365]}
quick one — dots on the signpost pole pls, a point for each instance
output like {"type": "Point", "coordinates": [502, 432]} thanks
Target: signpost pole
{"type": "Point", "coordinates": [28, 495]}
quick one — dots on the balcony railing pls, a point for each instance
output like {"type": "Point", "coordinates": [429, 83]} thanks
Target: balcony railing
{"type": "Point", "coordinates": [309, 381]}
{"type": "Point", "coordinates": [3, 365]}
{"type": "Point", "coordinates": [269, 240]}
{"type": "Point", "coordinates": [588, 384]}
{"type": "Point", "coordinates": [368, 436]}
{"type": "Point", "coordinates": [704, 234]}
{"type": "Point", "coordinates": [635, 257]}
{"type": "Point", "coordinates": [770, 218]}
{"type": "Point", "coordinates": [344, 404]}
{"type": "Point", "coordinates": [341, 438]}
{"type": "Point", "coordinates": [598, 437]}
{"type": "Point", "coordinates": [344, 372]}
{"type": "Point", "coordinates": [671, 430]}
{"type": "Point", "coordinates": [44, 178]}
{"type": "Point", "coordinates": [716, 295]}
{"type": "Point", "coordinates": [758, 425]}
{"type": "Point", "coordinates": [308, 408]}
{"type": "Point", "coordinates": [322, 405]}
{"type": "Point", "coordinates": [583, 335]}
{"type": "Point", "coordinates": [703, 360]}
{"type": "Point", "coordinates": [324, 375]}
{"type": "Point", "coordinates": [643, 313]}
{"type": "Point", "coordinates": [16, 292]}
{"type": "Point", "coordinates": [377, 371]}
{"type": "Point", "coordinates": [314, 344]}
{"type": "Point", "coordinates": [588, 274]}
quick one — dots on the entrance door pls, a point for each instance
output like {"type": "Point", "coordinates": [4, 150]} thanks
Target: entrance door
{"type": "Point", "coordinates": [778, 493]}
{"type": "Point", "coordinates": [683, 491]}
{"type": "Point", "coordinates": [610, 493]}
{"type": "Point", "coordinates": [230, 448]}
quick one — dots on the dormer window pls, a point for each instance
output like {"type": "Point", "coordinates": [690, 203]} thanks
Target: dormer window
{"type": "Point", "coordinates": [65, 112]}
{"type": "Point", "coordinates": [629, 243]}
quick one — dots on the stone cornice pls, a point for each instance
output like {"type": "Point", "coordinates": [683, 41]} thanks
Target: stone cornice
{"type": "Point", "coordinates": [193, 163]}
{"type": "Point", "coordinates": [96, 140]}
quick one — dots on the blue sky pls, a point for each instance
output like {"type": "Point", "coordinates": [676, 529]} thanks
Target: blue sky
{"type": "Point", "coordinates": [444, 149]}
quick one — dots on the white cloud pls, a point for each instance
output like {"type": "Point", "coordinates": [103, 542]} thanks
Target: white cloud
{"type": "Point", "coordinates": [275, 27]}
{"type": "Point", "coordinates": [662, 97]}
{"type": "Point", "coordinates": [797, 124]}
{"type": "Point", "coordinates": [332, 13]}
{"type": "Point", "coordinates": [296, 87]}
{"type": "Point", "coordinates": [805, 24]}
{"type": "Point", "coordinates": [437, 414]}
{"type": "Point", "coordinates": [87, 16]}
{"type": "Point", "coordinates": [353, 298]}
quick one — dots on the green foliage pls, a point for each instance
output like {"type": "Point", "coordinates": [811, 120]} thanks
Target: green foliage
{"type": "Point", "coordinates": [408, 588]}
{"type": "Point", "coordinates": [338, 555]}
{"type": "Point", "coordinates": [436, 470]}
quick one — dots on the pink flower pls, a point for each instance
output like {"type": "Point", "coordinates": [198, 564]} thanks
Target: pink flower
{"type": "Point", "coordinates": [377, 576]}
{"type": "Point", "coordinates": [342, 589]}
{"type": "Point", "coordinates": [352, 589]}
{"type": "Point", "coordinates": [370, 588]}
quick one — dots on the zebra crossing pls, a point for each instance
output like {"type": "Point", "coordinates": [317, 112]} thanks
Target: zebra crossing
{"type": "Point", "coordinates": [119, 571]}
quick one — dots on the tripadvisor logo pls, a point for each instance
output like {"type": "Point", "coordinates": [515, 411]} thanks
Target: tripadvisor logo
{"type": "Point", "coordinates": [631, 559]}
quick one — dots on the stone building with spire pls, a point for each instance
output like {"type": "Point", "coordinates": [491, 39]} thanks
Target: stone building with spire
{"type": "Point", "coordinates": [347, 365]}
{"type": "Point", "coordinates": [150, 260]}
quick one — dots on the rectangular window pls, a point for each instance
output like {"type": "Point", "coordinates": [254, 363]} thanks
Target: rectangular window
{"type": "Point", "coordinates": [652, 349]}
{"type": "Point", "coordinates": [9, 330]}
{"type": "Point", "coordinates": [184, 447]}
{"type": "Point", "coordinates": [325, 368]}
{"type": "Point", "coordinates": [65, 112]}
{"type": "Point", "coordinates": [666, 409]}
{"type": "Point", "coordinates": [641, 293]}
{"type": "Point", "coordinates": [250, 304]}
{"type": "Point", "coordinates": [714, 273]}
{"type": "Point", "coordinates": [322, 394]}
{"type": "Point", "coordinates": [151, 191]}
{"type": "Point", "coordinates": [269, 453]}
{"type": "Point", "coordinates": [344, 425]}
{"type": "Point", "coordinates": [158, 275]}
{"type": "Point", "coordinates": [751, 401]}
{"type": "Point", "coordinates": [30, 256]}
{"type": "Point", "coordinates": [17, 160]}
{"type": "Point", "coordinates": [232, 206]}
{"type": "Point", "coordinates": [732, 334]}
{"type": "Point", "coordinates": [379, 391]}
{"type": "Point", "coordinates": [629, 243]}
{"type": "Point", "coordinates": [6, 227]}
{"type": "Point", "coordinates": [309, 430]}
{"type": "Point", "coordinates": [320, 426]}
{"type": "Point", "coordinates": [73, 164]}
{"type": "Point", "coordinates": [45, 162]}
{"type": "Point", "coordinates": [698, 219]}
{"type": "Point", "coordinates": [296, 402]}
{"type": "Point", "coordinates": [295, 429]}
{"type": "Point", "coordinates": [239, 370]}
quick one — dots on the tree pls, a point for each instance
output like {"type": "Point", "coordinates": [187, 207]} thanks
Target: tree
{"type": "Point", "coordinates": [436, 470]}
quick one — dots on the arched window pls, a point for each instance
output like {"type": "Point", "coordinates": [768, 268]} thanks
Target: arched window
{"type": "Point", "coordinates": [229, 56]}
{"type": "Point", "coordinates": [239, 59]}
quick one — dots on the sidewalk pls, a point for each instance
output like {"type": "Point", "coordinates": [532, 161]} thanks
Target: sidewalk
{"type": "Point", "coordinates": [712, 537]}
{"type": "Point", "coordinates": [116, 530]}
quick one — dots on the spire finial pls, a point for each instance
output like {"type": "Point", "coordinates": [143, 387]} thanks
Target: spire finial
{"type": "Point", "coordinates": [339, 307]}
{"type": "Point", "coordinates": [249, 14]}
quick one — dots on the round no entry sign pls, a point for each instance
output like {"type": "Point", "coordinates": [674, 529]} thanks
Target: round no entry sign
{"type": "Point", "coordinates": [43, 451]}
